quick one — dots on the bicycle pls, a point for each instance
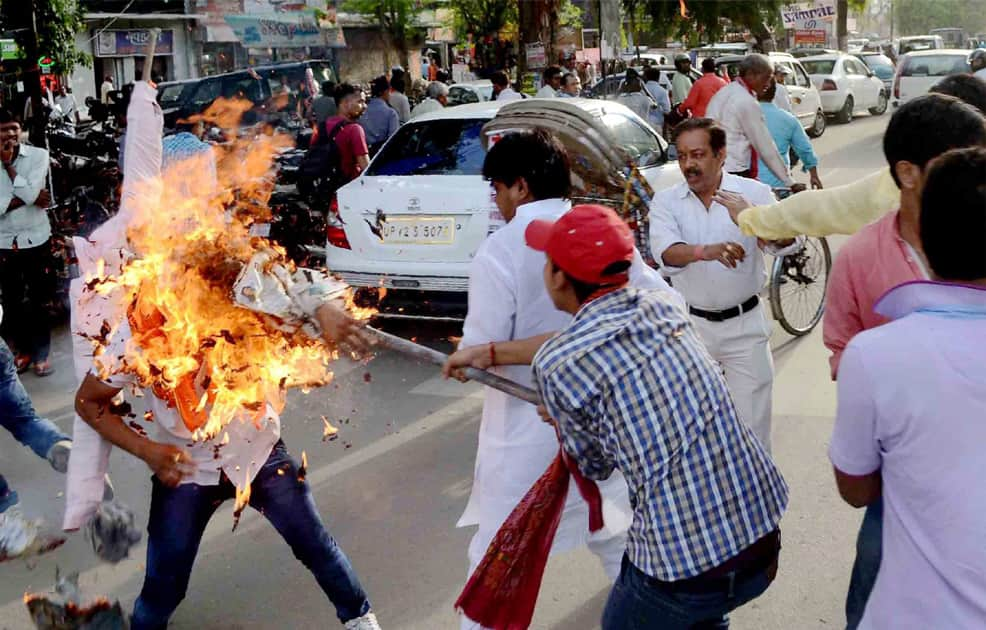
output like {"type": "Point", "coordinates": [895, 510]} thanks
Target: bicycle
{"type": "Point", "coordinates": [798, 283]}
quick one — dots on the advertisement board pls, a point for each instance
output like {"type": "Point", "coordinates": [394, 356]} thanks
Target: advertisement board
{"type": "Point", "coordinates": [807, 15]}
{"type": "Point", "coordinates": [813, 36]}
{"type": "Point", "coordinates": [284, 30]}
{"type": "Point", "coordinates": [133, 43]}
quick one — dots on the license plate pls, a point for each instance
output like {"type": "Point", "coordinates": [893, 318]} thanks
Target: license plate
{"type": "Point", "coordinates": [419, 230]}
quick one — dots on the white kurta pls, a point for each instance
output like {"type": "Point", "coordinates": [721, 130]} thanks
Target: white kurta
{"type": "Point", "coordinates": [508, 300]}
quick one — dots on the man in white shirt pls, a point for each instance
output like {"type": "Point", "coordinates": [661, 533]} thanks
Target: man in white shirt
{"type": "Point", "coordinates": [552, 82]}
{"type": "Point", "coordinates": [105, 89]}
{"type": "Point", "coordinates": [510, 316]}
{"type": "Point", "coordinates": [717, 269]}
{"type": "Point", "coordinates": [26, 283]}
{"type": "Point", "coordinates": [437, 93]}
{"type": "Point", "coordinates": [191, 478]}
{"type": "Point", "coordinates": [501, 88]}
{"type": "Point", "coordinates": [909, 425]}
{"type": "Point", "coordinates": [397, 99]}
{"type": "Point", "coordinates": [736, 109]}
{"type": "Point", "coordinates": [66, 102]}
{"type": "Point", "coordinates": [781, 98]}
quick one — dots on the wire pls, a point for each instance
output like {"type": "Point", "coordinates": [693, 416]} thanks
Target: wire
{"type": "Point", "coordinates": [110, 23]}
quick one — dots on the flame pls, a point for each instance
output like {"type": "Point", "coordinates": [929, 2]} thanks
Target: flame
{"type": "Point", "coordinates": [304, 460]}
{"type": "Point", "coordinates": [683, 9]}
{"type": "Point", "coordinates": [242, 494]}
{"type": "Point", "coordinates": [215, 362]}
{"type": "Point", "coordinates": [328, 431]}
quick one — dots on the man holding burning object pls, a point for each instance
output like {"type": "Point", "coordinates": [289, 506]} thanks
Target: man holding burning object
{"type": "Point", "coordinates": [214, 326]}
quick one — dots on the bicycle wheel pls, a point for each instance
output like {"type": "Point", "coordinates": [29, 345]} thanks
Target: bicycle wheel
{"type": "Point", "coordinates": [797, 287]}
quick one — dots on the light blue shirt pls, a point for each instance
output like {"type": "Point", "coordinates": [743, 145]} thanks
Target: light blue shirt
{"type": "Point", "coordinates": [660, 96]}
{"type": "Point", "coordinates": [379, 121]}
{"type": "Point", "coordinates": [787, 132]}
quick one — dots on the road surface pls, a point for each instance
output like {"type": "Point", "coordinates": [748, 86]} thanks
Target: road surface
{"type": "Point", "coordinates": [393, 484]}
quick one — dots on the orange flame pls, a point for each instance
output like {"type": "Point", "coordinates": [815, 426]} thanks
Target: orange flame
{"type": "Point", "coordinates": [212, 360]}
{"type": "Point", "coordinates": [683, 9]}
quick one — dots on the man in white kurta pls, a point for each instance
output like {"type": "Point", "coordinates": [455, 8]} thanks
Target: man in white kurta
{"type": "Point", "coordinates": [718, 270]}
{"type": "Point", "coordinates": [508, 301]}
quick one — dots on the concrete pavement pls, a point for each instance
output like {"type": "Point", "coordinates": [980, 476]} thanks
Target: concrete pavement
{"type": "Point", "coordinates": [395, 481]}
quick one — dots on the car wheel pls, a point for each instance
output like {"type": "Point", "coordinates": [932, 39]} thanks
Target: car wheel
{"type": "Point", "coordinates": [845, 114]}
{"type": "Point", "coordinates": [881, 104]}
{"type": "Point", "coordinates": [818, 128]}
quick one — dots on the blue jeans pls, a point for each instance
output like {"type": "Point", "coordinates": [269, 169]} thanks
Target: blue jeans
{"type": "Point", "coordinates": [640, 602]}
{"type": "Point", "coordinates": [18, 416]}
{"type": "Point", "coordinates": [179, 516]}
{"type": "Point", "coordinates": [869, 549]}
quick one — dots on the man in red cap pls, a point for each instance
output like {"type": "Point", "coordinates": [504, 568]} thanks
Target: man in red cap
{"type": "Point", "coordinates": [631, 388]}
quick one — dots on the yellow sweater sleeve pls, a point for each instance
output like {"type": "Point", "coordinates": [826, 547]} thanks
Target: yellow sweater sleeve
{"type": "Point", "coordinates": [839, 210]}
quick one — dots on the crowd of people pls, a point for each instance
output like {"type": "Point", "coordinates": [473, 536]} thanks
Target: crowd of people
{"type": "Point", "coordinates": [659, 393]}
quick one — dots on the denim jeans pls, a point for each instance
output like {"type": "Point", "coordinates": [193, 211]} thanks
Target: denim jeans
{"type": "Point", "coordinates": [869, 549]}
{"type": "Point", "coordinates": [179, 516]}
{"type": "Point", "coordinates": [640, 602]}
{"type": "Point", "coordinates": [17, 415]}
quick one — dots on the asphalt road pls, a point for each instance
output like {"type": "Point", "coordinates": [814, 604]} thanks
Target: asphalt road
{"type": "Point", "coordinates": [393, 484]}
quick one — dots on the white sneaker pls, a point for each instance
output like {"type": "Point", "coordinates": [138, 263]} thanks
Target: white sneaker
{"type": "Point", "coordinates": [366, 622]}
{"type": "Point", "coordinates": [58, 455]}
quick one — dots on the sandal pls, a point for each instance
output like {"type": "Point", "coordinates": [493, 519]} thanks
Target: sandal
{"type": "Point", "coordinates": [43, 368]}
{"type": "Point", "coordinates": [23, 363]}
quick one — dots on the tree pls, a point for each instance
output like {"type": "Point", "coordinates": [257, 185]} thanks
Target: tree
{"type": "Point", "coordinates": [842, 20]}
{"type": "Point", "coordinates": [917, 17]}
{"type": "Point", "coordinates": [537, 22]}
{"type": "Point", "coordinates": [483, 17]}
{"type": "Point", "coordinates": [397, 20]}
{"type": "Point", "coordinates": [704, 18]}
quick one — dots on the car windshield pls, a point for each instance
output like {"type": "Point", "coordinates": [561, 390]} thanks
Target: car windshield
{"type": "Point", "coordinates": [935, 66]}
{"type": "Point", "coordinates": [880, 65]}
{"type": "Point", "coordinates": [917, 44]}
{"type": "Point", "coordinates": [458, 95]}
{"type": "Point", "coordinates": [434, 147]}
{"type": "Point", "coordinates": [169, 94]}
{"type": "Point", "coordinates": [821, 66]}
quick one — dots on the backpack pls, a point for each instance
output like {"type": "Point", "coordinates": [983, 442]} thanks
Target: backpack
{"type": "Point", "coordinates": [323, 161]}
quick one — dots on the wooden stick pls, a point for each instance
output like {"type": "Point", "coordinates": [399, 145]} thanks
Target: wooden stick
{"type": "Point", "coordinates": [153, 34]}
{"type": "Point", "coordinates": [424, 353]}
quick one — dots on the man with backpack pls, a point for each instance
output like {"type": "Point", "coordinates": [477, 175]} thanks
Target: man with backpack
{"type": "Point", "coordinates": [341, 141]}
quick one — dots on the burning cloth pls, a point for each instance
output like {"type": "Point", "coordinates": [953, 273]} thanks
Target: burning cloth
{"type": "Point", "coordinates": [156, 305]}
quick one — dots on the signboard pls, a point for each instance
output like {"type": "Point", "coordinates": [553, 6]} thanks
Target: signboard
{"type": "Point", "coordinates": [133, 43]}
{"type": "Point", "coordinates": [45, 63]}
{"type": "Point", "coordinates": [284, 30]}
{"type": "Point", "coordinates": [811, 36]}
{"type": "Point", "coordinates": [9, 50]}
{"type": "Point", "coordinates": [535, 55]}
{"type": "Point", "coordinates": [807, 15]}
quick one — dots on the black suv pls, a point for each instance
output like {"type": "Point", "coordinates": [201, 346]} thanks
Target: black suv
{"type": "Point", "coordinates": [182, 99]}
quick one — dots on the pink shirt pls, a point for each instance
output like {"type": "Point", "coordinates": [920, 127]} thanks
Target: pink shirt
{"type": "Point", "coordinates": [873, 261]}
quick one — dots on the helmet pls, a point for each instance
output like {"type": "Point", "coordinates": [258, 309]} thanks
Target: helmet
{"type": "Point", "coordinates": [978, 58]}
{"type": "Point", "coordinates": [682, 57]}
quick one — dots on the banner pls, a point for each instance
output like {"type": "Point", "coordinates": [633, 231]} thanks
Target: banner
{"type": "Point", "coordinates": [9, 50]}
{"type": "Point", "coordinates": [536, 57]}
{"type": "Point", "coordinates": [133, 43]}
{"type": "Point", "coordinates": [807, 15]}
{"type": "Point", "coordinates": [811, 36]}
{"type": "Point", "coordinates": [284, 30]}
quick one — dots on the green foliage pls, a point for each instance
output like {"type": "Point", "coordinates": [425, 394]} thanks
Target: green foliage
{"type": "Point", "coordinates": [569, 15]}
{"type": "Point", "coordinates": [482, 17]}
{"type": "Point", "coordinates": [704, 22]}
{"type": "Point", "coordinates": [57, 23]}
{"type": "Point", "coordinates": [396, 17]}
{"type": "Point", "coordinates": [917, 17]}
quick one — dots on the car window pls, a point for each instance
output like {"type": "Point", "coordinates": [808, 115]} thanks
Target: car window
{"type": "Point", "coordinates": [242, 86]}
{"type": "Point", "coordinates": [850, 67]}
{"type": "Point", "coordinates": [169, 95]}
{"type": "Point", "coordinates": [435, 147]}
{"type": "Point", "coordinates": [205, 93]}
{"type": "Point", "coordinates": [642, 145]}
{"type": "Point", "coordinates": [790, 79]}
{"type": "Point", "coordinates": [935, 66]}
{"type": "Point", "coordinates": [460, 95]}
{"type": "Point", "coordinates": [881, 65]}
{"type": "Point", "coordinates": [821, 66]}
{"type": "Point", "coordinates": [801, 77]}
{"type": "Point", "coordinates": [322, 73]}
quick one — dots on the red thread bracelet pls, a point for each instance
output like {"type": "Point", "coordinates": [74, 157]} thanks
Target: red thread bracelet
{"type": "Point", "coordinates": [492, 353]}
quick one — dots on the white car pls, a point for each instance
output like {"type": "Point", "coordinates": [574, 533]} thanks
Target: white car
{"type": "Point", "coordinates": [412, 222]}
{"type": "Point", "coordinates": [919, 42]}
{"type": "Point", "coordinates": [846, 85]}
{"type": "Point", "coordinates": [918, 71]}
{"type": "Point", "coordinates": [470, 92]}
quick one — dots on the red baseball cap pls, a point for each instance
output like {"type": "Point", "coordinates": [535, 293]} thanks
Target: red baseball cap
{"type": "Point", "coordinates": [585, 242]}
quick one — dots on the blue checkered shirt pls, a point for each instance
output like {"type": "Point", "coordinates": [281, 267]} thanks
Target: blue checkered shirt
{"type": "Point", "coordinates": [633, 388]}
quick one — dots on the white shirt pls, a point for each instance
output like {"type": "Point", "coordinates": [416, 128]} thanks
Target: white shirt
{"type": "Point", "coordinates": [68, 106]}
{"type": "Point", "coordinates": [981, 73]}
{"type": "Point", "coordinates": [509, 94]}
{"type": "Point", "coordinates": [28, 226]}
{"type": "Point", "coordinates": [677, 215]}
{"type": "Point", "coordinates": [546, 91]}
{"type": "Point", "coordinates": [735, 109]}
{"type": "Point", "coordinates": [508, 300]}
{"type": "Point", "coordinates": [917, 417]}
{"type": "Point", "coordinates": [401, 105]}
{"type": "Point", "coordinates": [104, 92]}
{"type": "Point", "coordinates": [426, 107]}
{"type": "Point", "coordinates": [782, 99]}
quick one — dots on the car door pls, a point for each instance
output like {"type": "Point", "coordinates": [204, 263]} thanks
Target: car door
{"type": "Point", "coordinates": [811, 102]}
{"type": "Point", "coordinates": [864, 91]}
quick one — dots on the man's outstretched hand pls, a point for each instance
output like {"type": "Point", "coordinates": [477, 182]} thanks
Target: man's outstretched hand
{"type": "Point", "coordinates": [342, 329]}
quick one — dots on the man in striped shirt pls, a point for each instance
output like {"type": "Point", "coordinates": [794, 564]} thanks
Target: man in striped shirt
{"type": "Point", "coordinates": [631, 387]}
